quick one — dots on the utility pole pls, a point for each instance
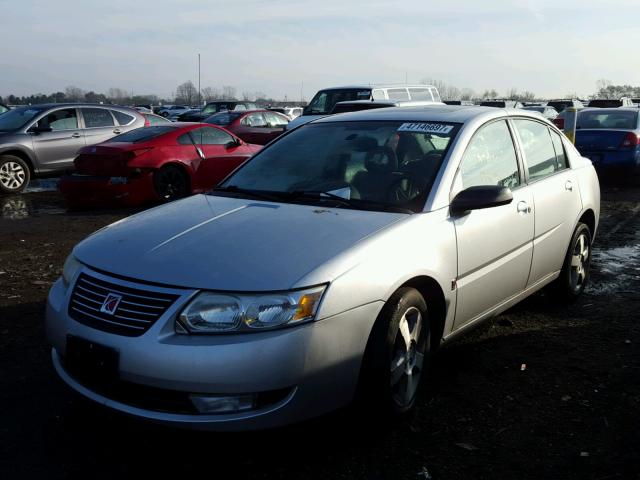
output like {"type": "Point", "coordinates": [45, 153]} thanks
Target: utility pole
{"type": "Point", "coordinates": [199, 96]}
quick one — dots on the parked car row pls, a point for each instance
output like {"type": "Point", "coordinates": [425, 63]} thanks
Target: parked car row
{"type": "Point", "coordinates": [42, 140]}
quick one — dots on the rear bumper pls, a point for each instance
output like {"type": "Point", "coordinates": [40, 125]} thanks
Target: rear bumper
{"type": "Point", "coordinates": [613, 159]}
{"type": "Point", "coordinates": [83, 190]}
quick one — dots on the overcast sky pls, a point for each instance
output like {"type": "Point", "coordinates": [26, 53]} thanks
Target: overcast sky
{"type": "Point", "coordinates": [550, 47]}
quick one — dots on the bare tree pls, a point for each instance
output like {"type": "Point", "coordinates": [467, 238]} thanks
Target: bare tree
{"type": "Point", "coordinates": [186, 93]}
{"type": "Point", "coordinates": [467, 94]}
{"type": "Point", "coordinates": [209, 94]}
{"type": "Point", "coordinates": [74, 94]}
{"type": "Point", "coordinates": [117, 95]}
{"type": "Point", "coordinates": [228, 92]}
{"type": "Point", "coordinates": [247, 96]}
{"type": "Point", "coordinates": [512, 93]}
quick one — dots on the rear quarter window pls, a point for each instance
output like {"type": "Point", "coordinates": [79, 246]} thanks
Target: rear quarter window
{"type": "Point", "coordinates": [123, 118]}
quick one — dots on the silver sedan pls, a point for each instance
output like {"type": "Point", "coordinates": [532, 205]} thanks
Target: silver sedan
{"type": "Point", "coordinates": [325, 270]}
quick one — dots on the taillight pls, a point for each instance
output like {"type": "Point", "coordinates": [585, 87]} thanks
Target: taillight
{"type": "Point", "coordinates": [131, 154]}
{"type": "Point", "coordinates": [559, 122]}
{"type": "Point", "coordinates": [630, 140]}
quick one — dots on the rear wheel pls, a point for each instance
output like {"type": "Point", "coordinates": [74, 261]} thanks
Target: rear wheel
{"type": "Point", "coordinates": [575, 270]}
{"type": "Point", "coordinates": [397, 355]}
{"type": "Point", "coordinates": [171, 183]}
{"type": "Point", "coordinates": [14, 174]}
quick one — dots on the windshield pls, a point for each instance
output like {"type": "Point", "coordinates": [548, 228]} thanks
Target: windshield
{"type": "Point", "coordinates": [325, 100]}
{"type": "Point", "coordinates": [142, 134]}
{"type": "Point", "coordinates": [19, 117]}
{"type": "Point", "coordinates": [222, 118]}
{"type": "Point", "coordinates": [391, 164]}
{"type": "Point", "coordinates": [617, 119]}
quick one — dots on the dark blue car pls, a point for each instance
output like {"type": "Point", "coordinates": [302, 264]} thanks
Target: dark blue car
{"type": "Point", "coordinates": [609, 137]}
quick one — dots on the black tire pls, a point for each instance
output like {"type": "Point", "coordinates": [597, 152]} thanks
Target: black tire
{"type": "Point", "coordinates": [574, 275]}
{"type": "Point", "coordinates": [171, 183]}
{"type": "Point", "coordinates": [379, 390]}
{"type": "Point", "coordinates": [14, 174]}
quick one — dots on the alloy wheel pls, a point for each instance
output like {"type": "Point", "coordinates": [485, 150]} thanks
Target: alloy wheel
{"type": "Point", "coordinates": [12, 175]}
{"type": "Point", "coordinates": [407, 358]}
{"type": "Point", "coordinates": [580, 262]}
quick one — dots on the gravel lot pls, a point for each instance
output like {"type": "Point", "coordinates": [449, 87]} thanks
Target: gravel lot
{"type": "Point", "coordinates": [543, 391]}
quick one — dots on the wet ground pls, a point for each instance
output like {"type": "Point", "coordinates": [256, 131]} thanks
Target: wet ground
{"type": "Point", "coordinates": [542, 391]}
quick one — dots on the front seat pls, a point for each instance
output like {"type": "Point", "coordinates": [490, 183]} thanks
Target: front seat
{"type": "Point", "coordinates": [374, 182]}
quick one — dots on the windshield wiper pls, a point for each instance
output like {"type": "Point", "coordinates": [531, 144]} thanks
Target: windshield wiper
{"type": "Point", "coordinates": [246, 192]}
{"type": "Point", "coordinates": [355, 203]}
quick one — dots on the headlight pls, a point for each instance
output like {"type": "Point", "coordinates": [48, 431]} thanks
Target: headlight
{"type": "Point", "coordinates": [219, 312]}
{"type": "Point", "coordinates": [71, 267]}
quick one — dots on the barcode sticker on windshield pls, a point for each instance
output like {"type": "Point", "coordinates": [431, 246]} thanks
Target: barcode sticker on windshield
{"type": "Point", "coordinates": [425, 128]}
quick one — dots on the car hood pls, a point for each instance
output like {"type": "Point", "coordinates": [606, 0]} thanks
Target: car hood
{"type": "Point", "coordinates": [233, 244]}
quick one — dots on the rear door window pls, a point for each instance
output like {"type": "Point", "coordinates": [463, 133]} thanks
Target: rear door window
{"type": "Point", "coordinates": [97, 117]}
{"type": "Point", "coordinates": [539, 152]}
{"type": "Point", "coordinates": [561, 156]}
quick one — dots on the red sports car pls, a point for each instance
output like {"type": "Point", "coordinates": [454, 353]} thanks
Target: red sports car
{"type": "Point", "coordinates": [157, 163]}
{"type": "Point", "coordinates": [254, 126]}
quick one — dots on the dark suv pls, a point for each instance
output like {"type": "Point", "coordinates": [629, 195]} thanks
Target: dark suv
{"type": "Point", "coordinates": [42, 140]}
{"type": "Point", "coordinates": [215, 107]}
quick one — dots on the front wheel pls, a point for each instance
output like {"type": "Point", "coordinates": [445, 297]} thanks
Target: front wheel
{"type": "Point", "coordinates": [575, 270]}
{"type": "Point", "coordinates": [14, 174]}
{"type": "Point", "coordinates": [397, 355]}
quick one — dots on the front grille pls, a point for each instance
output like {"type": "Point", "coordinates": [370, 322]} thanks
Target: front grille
{"type": "Point", "coordinates": [137, 311]}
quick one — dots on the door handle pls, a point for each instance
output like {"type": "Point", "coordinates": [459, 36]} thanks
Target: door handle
{"type": "Point", "coordinates": [116, 131]}
{"type": "Point", "coordinates": [523, 207]}
{"type": "Point", "coordinates": [75, 135]}
{"type": "Point", "coordinates": [568, 186]}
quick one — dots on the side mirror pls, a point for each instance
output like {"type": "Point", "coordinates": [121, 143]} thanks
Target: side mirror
{"type": "Point", "coordinates": [233, 143]}
{"type": "Point", "coordinates": [479, 197]}
{"type": "Point", "coordinates": [37, 130]}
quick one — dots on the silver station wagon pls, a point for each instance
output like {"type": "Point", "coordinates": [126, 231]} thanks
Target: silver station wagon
{"type": "Point", "coordinates": [326, 269]}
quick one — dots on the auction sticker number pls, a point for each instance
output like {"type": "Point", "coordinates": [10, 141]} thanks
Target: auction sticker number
{"type": "Point", "coordinates": [425, 127]}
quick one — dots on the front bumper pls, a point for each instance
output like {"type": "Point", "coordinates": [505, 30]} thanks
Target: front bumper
{"type": "Point", "coordinates": [317, 363]}
{"type": "Point", "coordinates": [85, 190]}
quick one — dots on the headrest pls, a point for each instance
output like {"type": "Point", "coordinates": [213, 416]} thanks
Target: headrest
{"type": "Point", "coordinates": [381, 160]}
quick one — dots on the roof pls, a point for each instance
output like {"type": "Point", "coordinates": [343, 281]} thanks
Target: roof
{"type": "Point", "coordinates": [433, 113]}
{"type": "Point", "coordinates": [71, 104]}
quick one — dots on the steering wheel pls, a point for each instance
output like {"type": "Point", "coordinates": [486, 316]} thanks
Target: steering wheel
{"type": "Point", "coordinates": [406, 188]}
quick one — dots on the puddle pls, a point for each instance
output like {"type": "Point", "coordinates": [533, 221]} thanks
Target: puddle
{"type": "Point", "coordinates": [17, 207]}
{"type": "Point", "coordinates": [615, 269]}
{"type": "Point", "coordinates": [42, 185]}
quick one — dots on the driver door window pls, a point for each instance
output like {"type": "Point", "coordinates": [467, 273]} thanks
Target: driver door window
{"type": "Point", "coordinates": [66, 119]}
{"type": "Point", "coordinates": [490, 159]}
